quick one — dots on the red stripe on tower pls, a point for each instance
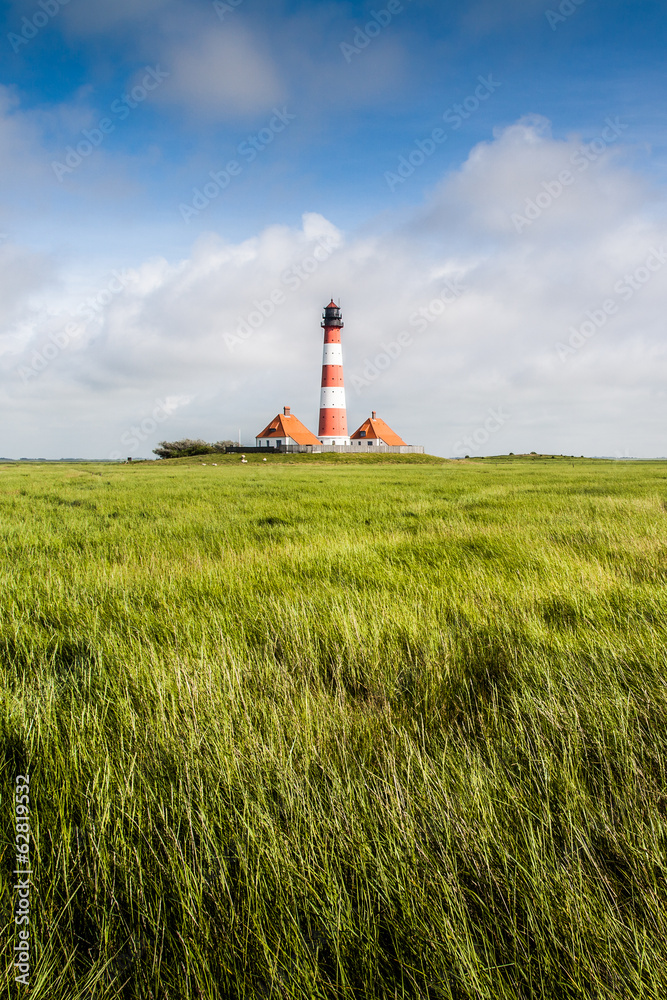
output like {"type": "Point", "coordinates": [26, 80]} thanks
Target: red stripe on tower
{"type": "Point", "coordinates": [333, 414]}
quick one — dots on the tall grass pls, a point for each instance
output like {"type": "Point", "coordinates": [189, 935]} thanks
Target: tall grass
{"type": "Point", "coordinates": [317, 730]}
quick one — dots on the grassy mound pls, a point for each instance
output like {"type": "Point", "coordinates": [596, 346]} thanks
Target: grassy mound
{"type": "Point", "coordinates": [306, 458]}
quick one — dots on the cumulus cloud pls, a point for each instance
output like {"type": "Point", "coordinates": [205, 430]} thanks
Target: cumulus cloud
{"type": "Point", "coordinates": [221, 72]}
{"type": "Point", "coordinates": [25, 277]}
{"type": "Point", "coordinates": [556, 321]}
{"type": "Point", "coordinates": [513, 184]}
{"type": "Point", "coordinates": [219, 65]}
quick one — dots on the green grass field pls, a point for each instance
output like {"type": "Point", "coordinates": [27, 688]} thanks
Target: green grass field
{"type": "Point", "coordinates": [331, 729]}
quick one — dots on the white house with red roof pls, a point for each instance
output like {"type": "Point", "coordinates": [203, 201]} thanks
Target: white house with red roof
{"type": "Point", "coordinates": [285, 429]}
{"type": "Point", "coordinates": [374, 432]}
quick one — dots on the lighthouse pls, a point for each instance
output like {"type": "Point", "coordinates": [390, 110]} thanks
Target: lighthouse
{"type": "Point", "coordinates": [333, 415]}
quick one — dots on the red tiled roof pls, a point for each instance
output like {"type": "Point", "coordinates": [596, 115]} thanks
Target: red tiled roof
{"type": "Point", "coordinates": [377, 430]}
{"type": "Point", "coordinates": [284, 426]}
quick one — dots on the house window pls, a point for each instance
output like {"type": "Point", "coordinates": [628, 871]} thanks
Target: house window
{"type": "Point", "coordinates": [362, 434]}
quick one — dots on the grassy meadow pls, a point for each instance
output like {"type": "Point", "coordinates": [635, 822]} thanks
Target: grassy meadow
{"type": "Point", "coordinates": [337, 729]}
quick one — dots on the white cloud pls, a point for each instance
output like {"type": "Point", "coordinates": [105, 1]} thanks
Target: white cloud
{"type": "Point", "coordinates": [25, 277]}
{"type": "Point", "coordinates": [523, 164]}
{"type": "Point", "coordinates": [221, 72]}
{"type": "Point", "coordinates": [177, 328]}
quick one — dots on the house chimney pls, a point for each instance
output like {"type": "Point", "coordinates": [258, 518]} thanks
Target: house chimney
{"type": "Point", "coordinates": [373, 415]}
{"type": "Point", "coordinates": [287, 411]}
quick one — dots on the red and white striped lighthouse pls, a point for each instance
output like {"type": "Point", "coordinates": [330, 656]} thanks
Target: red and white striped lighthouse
{"type": "Point", "coordinates": [333, 415]}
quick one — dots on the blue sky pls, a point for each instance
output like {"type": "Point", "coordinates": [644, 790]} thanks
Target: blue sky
{"type": "Point", "coordinates": [331, 125]}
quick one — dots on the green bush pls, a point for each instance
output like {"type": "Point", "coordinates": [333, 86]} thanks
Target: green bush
{"type": "Point", "coordinates": [187, 448]}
